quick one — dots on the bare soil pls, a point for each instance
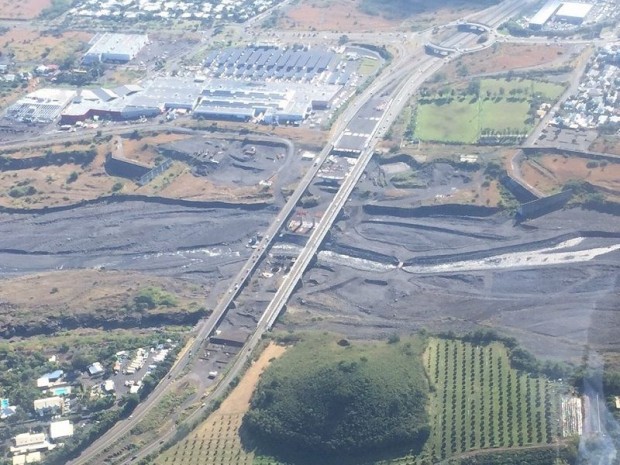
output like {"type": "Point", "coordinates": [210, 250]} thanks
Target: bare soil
{"type": "Point", "coordinates": [54, 188]}
{"type": "Point", "coordinates": [25, 9]}
{"type": "Point", "coordinates": [145, 149]}
{"type": "Point", "coordinates": [29, 45]}
{"type": "Point", "coordinates": [550, 172]}
{"type": "Point", "coordinates": [504, 57]}
{"type": "Point", "coordinates": [185, 185]}
{"type": "Point", "coordinates": [342, 16]}
{"type": "Point", "coordinates": [606, 144]}
{"type": "Point", "coordinates": [35, 299]}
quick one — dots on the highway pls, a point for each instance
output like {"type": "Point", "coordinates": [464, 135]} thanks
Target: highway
{"type": "Point", "coordinates": [399, 80]}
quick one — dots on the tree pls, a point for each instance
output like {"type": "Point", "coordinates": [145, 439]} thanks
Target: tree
{"type": "Point", "coordinates": [473, 87]}
{"type": "Point", "coordinates": [81, 360]}
{"type": "Point", "coordinates": [72, 177]}
{"type": "Point", "coordinates": [129, 403]}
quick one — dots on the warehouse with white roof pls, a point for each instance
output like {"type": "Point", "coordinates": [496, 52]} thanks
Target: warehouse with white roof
{"type": "Point", "coordinates": [114, 48]}
{"type": "Point", "coordinates": [574, 13]}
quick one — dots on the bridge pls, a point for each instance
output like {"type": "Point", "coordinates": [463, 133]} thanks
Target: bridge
{"type": "Point", "coordinates": [438, 50]}
{"type": "Point", "coordinates": [476, 28]}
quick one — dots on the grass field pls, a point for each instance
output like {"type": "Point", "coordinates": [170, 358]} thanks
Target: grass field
{"type": "Point", "coordinates": [528, 86]}
{"type": "Point", "coordinates": [501, 106]}
{"type": "Point", "coordinates": [368, 66]}
{"type": "Point", "coordinates": [503, 115]}
{"type": "Point", "coordinates": [452, 122]}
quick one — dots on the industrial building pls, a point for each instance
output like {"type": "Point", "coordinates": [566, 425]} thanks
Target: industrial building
{"type": "Point", "coordinates": [271, 103]}
{"type": "Point", "coordinates": [569, 12]}
{"type": "Point", "coordinates": [114, 48]}
{"type": "Point", "coordinates": [41, 106]}
{"type": "Point", "coordinates": [545, 14]}
{"type": "Point", "coordinates": [266, 63]}
{"type": "Point", "coordinates": [573, 13]}
{"type": "Point", "coordinates": [244, 103]}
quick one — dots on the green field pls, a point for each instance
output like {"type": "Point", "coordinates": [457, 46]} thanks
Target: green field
{"type": "Point", "coordinates": [550, 90]}
{"type": "Point", "coordinates": [501, 116]}
{"type": "Point", "coordinates": [501, 106]}
{"type": "Point", "coordinates": [368, 66]}
{"type": "Point", "coordinates": [328, 400]}
{"type": "Point", "coordinates": [452, 122]}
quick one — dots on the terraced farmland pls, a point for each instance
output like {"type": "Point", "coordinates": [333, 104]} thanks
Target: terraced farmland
{"type": "Point", "coordinates": [480, 402]}
{"type": "Point", "coordinates": [216, 441]}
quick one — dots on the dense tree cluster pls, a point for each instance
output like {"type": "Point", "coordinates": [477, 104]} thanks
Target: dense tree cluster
{"type": "Point", "coordinates": [325, 398]}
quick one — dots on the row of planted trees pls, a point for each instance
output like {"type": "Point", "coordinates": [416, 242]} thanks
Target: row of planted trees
{"type": "Point", "coordinates": [481, 402]}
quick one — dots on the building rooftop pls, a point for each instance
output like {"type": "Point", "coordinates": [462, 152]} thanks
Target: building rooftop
{"type": "Point", "coordinates": [32, 457]}
{"type": "Point", "coordinates": [27, 439]}
{"type": "Point", "coordinates": [61, 429]}
{"type": "Point", "coordinates": [128, 44]}
{"type": "Point", "coordinates": [545, 13]}
{"type": "Point", "coordinates": [48, 402]}
{"type": "Point", "coordinates": [95, 369]}
{"type": "Point", "coordinates": [574, 10]}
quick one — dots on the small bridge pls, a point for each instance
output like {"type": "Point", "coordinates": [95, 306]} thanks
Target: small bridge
{"type": "Point", "coordinates": [438, 50]}
{"type": "Point", "coordinates": [476, 28]}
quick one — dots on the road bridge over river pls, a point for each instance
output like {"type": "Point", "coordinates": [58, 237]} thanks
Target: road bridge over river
{"type": "Point", "coordinates": [397, 84]}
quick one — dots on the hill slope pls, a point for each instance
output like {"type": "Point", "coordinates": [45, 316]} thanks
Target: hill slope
{"type": "Point", "coordinates": [328, 398]}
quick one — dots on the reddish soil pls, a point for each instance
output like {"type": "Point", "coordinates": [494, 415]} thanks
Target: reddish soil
{"type": "Point", "coordinates": [549, 173]}
{"type": "Point", "coordinates": [30, 45]}
{"type": "Point", "coordinates": [605, 175]}
{"type": "Point", "coordinates": [504, 57]}
{"type": "Point", "coordinates": [24, 9]}
{"type": "Point", "coordinates": [606, 144]}
{"type": "Point", "coordinates": [342, 16]}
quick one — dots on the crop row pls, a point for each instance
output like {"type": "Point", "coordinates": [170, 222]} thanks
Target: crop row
{"type": "Point", "coordinates": [479, 401]}
{"type": "Point", "coordinates": [216, 442]}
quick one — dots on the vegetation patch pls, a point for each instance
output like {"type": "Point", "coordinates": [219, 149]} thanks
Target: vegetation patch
{"type": "Point", "coordinates": [331, 398]}
{"type": "Point", "coordinates": [407, 180]}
